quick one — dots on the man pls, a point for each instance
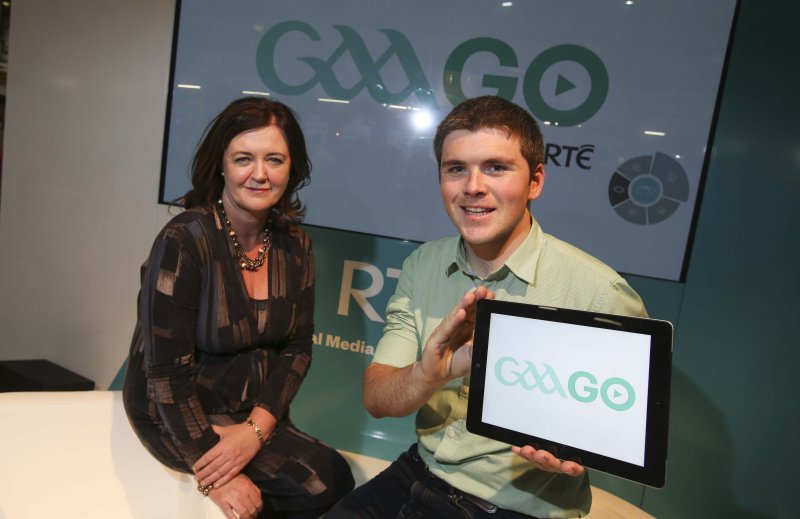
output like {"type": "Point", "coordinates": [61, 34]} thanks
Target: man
{"type": "Point", "coordinates": [490, 154]}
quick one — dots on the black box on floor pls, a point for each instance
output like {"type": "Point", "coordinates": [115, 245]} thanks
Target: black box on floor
{"type": "Point", "coordinates": [40, 375]}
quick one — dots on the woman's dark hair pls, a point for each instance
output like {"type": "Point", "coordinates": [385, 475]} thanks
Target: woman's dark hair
{"type": "Point", "coordinates": [245, 114]}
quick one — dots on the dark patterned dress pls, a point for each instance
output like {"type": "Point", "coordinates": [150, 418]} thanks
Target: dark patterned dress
{"type": "Point", "coordinates": [204, 352]}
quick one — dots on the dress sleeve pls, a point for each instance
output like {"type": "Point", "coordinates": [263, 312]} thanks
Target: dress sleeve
{"type": "Point", "coordinates": [400, 345]}
{"type": "Point", "coordinates": [168, 309]}
{"type": "Point", "coordinates": [294, 358]}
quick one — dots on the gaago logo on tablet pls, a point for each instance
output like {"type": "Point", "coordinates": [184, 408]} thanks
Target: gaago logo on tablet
{"type": "Point", "coordinates": [615, 392]}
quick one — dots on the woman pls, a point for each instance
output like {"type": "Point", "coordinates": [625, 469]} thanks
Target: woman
{"type": "Point", "coordinates": [225, 323]}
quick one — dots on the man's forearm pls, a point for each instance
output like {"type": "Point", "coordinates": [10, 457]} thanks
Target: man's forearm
{"type": "Point", "coordinates": [393, 391]}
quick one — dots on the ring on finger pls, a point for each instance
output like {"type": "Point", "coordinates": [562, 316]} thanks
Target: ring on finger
{"type": "Point", "coordinates": [235, 513]}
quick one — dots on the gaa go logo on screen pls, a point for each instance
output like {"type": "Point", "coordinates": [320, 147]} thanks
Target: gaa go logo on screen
{"type": "Point", "coordinates": [584, 387]}
{"type": "Point", "coordinates": [321, 70]}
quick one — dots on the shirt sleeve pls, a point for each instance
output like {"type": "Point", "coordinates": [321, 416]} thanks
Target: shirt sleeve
{"type": "Point", "coordinates": [621, 299]}
{"type": "Point", "coordinates": [294, 358]}
{"type": "Point", "coordinates": [400, 344]}
{"type": "Point", "coordinates": [168, 306]}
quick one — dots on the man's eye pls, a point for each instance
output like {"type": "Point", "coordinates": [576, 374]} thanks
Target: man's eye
{"type": "Point", "coordinates": [496, 167]}
{"type": "Point", "coordinates": [454, 170]}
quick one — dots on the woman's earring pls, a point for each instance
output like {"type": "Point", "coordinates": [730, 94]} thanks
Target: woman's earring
{"type": "Point", "coordinates": [222, 173]}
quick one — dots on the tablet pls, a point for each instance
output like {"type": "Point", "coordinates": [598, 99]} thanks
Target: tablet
{"type": "Point", "coordinates": [588, 387]}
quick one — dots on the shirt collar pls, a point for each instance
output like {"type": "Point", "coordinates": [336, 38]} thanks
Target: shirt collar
{"type": "Point", "coordinates": [522, 262]}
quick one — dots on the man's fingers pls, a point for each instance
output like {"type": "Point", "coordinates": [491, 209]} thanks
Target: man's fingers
{"type": "Point", "coordinates": [448, 351]}
{"type": "Point", "coordinates": [449, 326]}
{"type": "Point", "coordinates": [545, 461]}
{"type": "Point", "coordinates": [461, 361]}
{"type": "Point", "coordinates": [571, 468]}
{"type": "Point", "coordinates": [465, 309]}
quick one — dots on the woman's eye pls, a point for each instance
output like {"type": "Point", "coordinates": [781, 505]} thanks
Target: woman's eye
{"type": "Point", "coordinates": [242, 160]}
{"type": "Point", "coordinates": [275, 160]}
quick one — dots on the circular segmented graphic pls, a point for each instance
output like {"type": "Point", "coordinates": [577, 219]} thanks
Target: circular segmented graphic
{"type": "Point", "coordinates": [648, 189]}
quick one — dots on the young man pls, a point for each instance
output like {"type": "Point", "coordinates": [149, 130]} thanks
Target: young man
{"type": "Point", "coordinates": [490, 154]}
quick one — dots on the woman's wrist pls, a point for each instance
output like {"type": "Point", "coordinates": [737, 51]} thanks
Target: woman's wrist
{"type": "Point", "coordinates": [262, 438]}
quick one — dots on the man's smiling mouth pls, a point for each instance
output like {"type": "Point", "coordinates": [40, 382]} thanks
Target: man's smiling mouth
{"type": "Point", "coordinates": [477, 211]}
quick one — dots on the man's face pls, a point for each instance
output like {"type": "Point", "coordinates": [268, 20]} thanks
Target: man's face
{"type": "Point", "coordinates": [486, 185]}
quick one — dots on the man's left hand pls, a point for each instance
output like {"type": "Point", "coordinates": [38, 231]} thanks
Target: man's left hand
{"type": "Point", "coordinates": [543, 460]}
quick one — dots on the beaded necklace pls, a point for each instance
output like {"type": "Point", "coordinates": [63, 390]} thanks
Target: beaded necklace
{"type": "Point", "coordinates": [246, 263]}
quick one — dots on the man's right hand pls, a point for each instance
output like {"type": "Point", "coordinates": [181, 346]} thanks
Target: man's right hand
{"type": "Point", "coordinates": [448, 352]}
{"type": "Point", "coordinates": [393, 391]}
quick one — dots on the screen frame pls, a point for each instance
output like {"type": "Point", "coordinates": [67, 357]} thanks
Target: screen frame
{"type": "Point", "coordinates": [405, 233]}
{"type": "Point", "coordinates": [653, 473]}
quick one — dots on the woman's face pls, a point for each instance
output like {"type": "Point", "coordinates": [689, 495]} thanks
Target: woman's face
{"type": "Point", "coordinates": [257, 166]}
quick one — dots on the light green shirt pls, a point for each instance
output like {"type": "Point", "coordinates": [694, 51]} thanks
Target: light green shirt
{"type": "Point", "coordinates": [544, 271]}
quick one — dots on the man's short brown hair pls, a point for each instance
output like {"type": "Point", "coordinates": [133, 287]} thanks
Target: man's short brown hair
{"type": "Point", "coordinates": [497, 113]}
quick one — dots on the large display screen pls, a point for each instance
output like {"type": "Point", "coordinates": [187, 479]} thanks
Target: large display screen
{"type": "Point", "coordinates": [625, 92]}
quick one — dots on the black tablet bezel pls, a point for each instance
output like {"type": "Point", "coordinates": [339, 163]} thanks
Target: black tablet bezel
{"type": "Point", "coordinates": [653, 473]}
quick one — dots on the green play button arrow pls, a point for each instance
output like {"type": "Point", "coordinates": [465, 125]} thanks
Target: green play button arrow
{"type": "Point", "coordinates": [563, 84]}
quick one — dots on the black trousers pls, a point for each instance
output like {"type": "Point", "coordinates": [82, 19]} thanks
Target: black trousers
{"type": "Point", "coordinates": [407, 489]}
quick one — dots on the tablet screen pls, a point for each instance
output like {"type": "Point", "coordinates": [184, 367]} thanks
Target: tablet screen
{"type": "Point", "coordinates": [585, 386]}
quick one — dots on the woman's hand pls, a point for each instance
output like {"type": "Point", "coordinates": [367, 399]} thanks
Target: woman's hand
{"type": "Point", "coordinates": [237, 445]}
{"type": "Point", "coordinates": [238, 499]}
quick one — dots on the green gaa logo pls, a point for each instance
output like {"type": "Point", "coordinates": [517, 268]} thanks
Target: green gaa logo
{"type": "Point", "coordinates": [548, 67]}
{"type": "Point", "coordinates": [616, 393]}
